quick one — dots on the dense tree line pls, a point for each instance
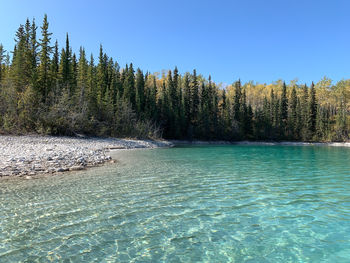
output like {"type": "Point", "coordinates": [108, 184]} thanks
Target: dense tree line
{"type": "Point", "coordinates": [45, 89]}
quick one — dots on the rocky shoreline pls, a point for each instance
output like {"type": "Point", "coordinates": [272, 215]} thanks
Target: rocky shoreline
{"type": "Point", "coordinates": [33, 155]}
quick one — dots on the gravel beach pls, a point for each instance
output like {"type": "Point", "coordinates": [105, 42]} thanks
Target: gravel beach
{"type": "Point", "coordinates": [32, 155]}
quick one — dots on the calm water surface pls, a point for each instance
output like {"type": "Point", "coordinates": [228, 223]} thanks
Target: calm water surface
{"type": "Point", "coordinates": [185, 204]}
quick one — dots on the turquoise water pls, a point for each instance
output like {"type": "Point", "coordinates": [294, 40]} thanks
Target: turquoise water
{"type": "Point", "coordinates": [185, 204]}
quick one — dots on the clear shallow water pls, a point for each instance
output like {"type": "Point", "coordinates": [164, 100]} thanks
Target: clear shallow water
{"type": "Point", "coordinates": [186, 204]}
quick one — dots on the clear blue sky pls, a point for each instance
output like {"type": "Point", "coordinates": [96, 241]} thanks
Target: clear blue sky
{"type": "Point", "coordinates": [260, 40]}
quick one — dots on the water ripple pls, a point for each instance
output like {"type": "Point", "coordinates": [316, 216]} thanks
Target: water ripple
{"type": "Point", "coordinates": [186, 204]}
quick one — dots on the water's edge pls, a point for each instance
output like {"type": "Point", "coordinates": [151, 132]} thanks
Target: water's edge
{"type": "Point", "coordinates": [27, 156]}
{"type": "Point", "coordinates": [122, 145]}
{"type": "Point", "coordinates": [282, 143]}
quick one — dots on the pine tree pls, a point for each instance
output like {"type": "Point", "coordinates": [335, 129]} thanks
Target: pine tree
{"type": "Point", "coordinates": [34, 52]}
{"type": "Point", "coordinates": [176, 97]}
{"type": "Point", "coordinates": [304, 102]}
{"type": "Point", "coordinates": [163, 103]}
{"type": "Point", "coordinates": [284, 109]}
{"type": "Point", "coordinates": [65, 68]}
{"type": "Point", "coordinates": [82, 77]}
{"type": "Point", "coordinates": [243, 116]}
{"type": "Point", "coordinates": [92, 89]}
{"type": "Point", "coordinates": [170, 93]}
{"type": "Point", "coordinates": [237, 101]}
{"type": "Point", "coordinates": [151, 98]}
{"type": "Point", "coordinates": [274, 115]}
{"type": "Point", "coordinates": [212, 108]}
{"type": "Point", "coordinates": [187, 99]}
{"type": "Point", "coordinates": [224, 116]}
{"type": "Point", "coordinates": [129, 85]}
{"type": "Point", "coordinates": [204, 125]}
{"type": "Point", "coordinates": [140, 87]}
{"type": "Point", "coordinates": [27, 51]}
{"type": "Point", "coordinates": [249, 123]}
{"type": "Point", "coordinates": [277, 119]}
{"type": "Point", "coordinates": [263, 124]}
{"type": "Point", "coordinates": [293, 114]}
{"type": "Point", "coordinates": [312, 110]}
{"type": "Point", "coordinates": [54, 69]}
{"type": "Point", "coordinates": [30, 53]}
{"type": "Point", "coordinates": [194, 98]}
{"type": "Point", "coordinates": [305, 113]}
{"type": "Point", "coordinates": [2, 58]}
{"type": "Point", "coordinates": [101, 78]}
{"type": "Point", "coordinates": [44, 66]}
{"type": "Point", "coordinates": [74, 73]}
{"type": "Point", "coordinates": [322, 123]}
{"type": "Point", "coordinates": [299, 121]}
{"type": "Point", "coordinates": [18, 67]}
{"type": "Point", "coordinates": [176, 91]}
{"type": "Point", "coordinates": [113, 81]}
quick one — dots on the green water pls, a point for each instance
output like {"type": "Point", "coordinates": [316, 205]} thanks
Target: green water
{"type": "Point", "coordinates": [185, 204]}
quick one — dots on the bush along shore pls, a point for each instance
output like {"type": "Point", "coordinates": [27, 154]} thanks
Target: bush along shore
{"type": "Point", "coordinates": [32, 155]}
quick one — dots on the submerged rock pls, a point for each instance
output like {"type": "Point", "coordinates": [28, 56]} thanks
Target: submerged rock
{"type": "Point", "coordinates": [76, 168]}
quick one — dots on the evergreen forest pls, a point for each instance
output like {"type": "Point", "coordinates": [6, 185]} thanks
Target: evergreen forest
{"type": "Point", "coordinates": [48, 89]}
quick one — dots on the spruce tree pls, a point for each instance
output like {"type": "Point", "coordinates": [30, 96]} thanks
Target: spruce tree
{"type": "Point", "coordinates": [237, 101]}
{"type": "Point", "coordinates": [284, 109]}
{"type": "Point", "coordinates": [44, 55]}
{"type": "Point", "coordinates": [312, 110]}
{"type": "Point", "coordinates": [34, 52]}
{"type": "Point", "coordinates": [101, 77]}
{"type": "Point", "coordinates": [18, 67]}
{"type": "Point", "coordinates": [74, 73]}
{"type": "Point", "coordinates": [92, 89]}
{"type": "Point", "coordinates": [176, 92]}
{"type": "Point", "coordinates": [187, 105]}
{"type": "Point", "coordinates": [2, 57]}
{"type": "Point", "coordinates": [82, 76]}
{"type": "Point", "coordinates": [54, 71]}
{"type": "Point", "coordinates": [65, 68]}
{"type": "Point", "coordinates": [129, 85]}
{"type": "Point", "coordinates": [305, 113]}
{"type": "Point", "coordinates": [293, 114]}
{"type": "Point", "coordinates": [140, 87]}
{"type": "Point", "coordinates": [194, 98]}
{"type": "Point", "coordinates": [243, 116]}
{"type": "Point", "coordinates": [224, 117]}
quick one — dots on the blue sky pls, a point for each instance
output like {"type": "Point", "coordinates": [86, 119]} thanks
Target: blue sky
{"type": "Point", "coordinates": [260, 40]}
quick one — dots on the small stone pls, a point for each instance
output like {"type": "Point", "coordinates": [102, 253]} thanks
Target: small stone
{"type": "Point", "coordinates": [76, 168]}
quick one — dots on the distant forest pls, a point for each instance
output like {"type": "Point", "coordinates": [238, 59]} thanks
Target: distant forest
{"type": "Point", "coordinates": [51, 90]}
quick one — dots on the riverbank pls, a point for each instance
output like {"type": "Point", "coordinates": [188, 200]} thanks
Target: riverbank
{"type": "Point", "coordinates": [286, 143]}
{"type": "Point", "coordinates": [33, 155]}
